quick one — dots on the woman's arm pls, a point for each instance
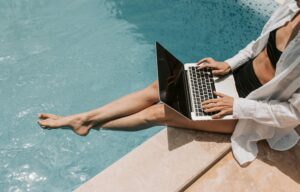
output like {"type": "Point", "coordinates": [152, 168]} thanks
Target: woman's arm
{"type": "Point", "coordinates": [275, 113]}
{"type": "Point", "coordinates": [242, 57]}
{"type": "Point", "coordinates": [218, 68]}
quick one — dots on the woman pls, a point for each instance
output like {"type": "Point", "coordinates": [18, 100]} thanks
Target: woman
{"type": "Point", "coordinates": [253, 67]}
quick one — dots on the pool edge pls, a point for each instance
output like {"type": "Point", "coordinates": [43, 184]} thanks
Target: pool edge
{"type": "Point", "coordinates": [169, 161]}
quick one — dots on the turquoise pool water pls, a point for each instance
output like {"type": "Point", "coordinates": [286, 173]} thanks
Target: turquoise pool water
{"type": "Point", "coordinates": [70, 56]}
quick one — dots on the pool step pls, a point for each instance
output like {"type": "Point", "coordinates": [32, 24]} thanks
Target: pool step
{"type": "Point", "coordinates": [168, 162]}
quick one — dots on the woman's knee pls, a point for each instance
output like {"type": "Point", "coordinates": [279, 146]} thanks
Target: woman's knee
{"type": "Point", "coordinates": [155, 114]}
{"type": "Point", "coordinates": [152, 92]}
{"type": "Point", "coordinates": [153, 87]}
{"type": "Point", "coordinates": [229, 126]}
{"type": "Point", "coordinates": [220, 126]}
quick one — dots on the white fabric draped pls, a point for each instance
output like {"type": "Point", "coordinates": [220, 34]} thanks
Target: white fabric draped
{"type": "Point", "coordinates": [272, 111]}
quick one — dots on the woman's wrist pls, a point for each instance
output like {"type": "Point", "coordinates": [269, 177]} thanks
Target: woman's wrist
{"type": "Point", "coordinates": [228, 69]}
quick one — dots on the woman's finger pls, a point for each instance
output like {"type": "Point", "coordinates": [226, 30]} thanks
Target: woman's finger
{"type": "Point", "coordinates": [213, 109]}
{"type": "Point", "coordinates": [217, 104]}
{"type": "Point", "coordinates": [217, 72]}
{"type": "Point", "coordinates": [219, 115]}
{"type": "Point", "coordinates": [210, 101]}
{"type": "Point", "coordinates": [220, 94]}
{"type": "Point", "coordinates": [207, 65]}
{"type": "Point", "coordinates": [210, 105]}
{"type": "Point", "coordinates": [207, 59]}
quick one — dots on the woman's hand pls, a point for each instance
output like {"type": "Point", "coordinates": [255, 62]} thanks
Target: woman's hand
{"type": "Point", "coordinates": [218, 68]}
{"type": "Point", "coordinates": [223, 105]}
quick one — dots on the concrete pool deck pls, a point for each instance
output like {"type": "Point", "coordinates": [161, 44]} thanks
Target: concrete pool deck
{"type": "Point", "coordinates": [191, 161]}
{"type": "Point", "coordinates": [271, 171]}
{"type": "Point", "coordinates": [169, 161]}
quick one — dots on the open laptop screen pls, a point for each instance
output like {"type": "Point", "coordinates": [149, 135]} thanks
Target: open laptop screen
{"type": "Point", "coordinates": [171, 80]}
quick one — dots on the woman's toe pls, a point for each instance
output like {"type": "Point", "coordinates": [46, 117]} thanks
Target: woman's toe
{"type": "Point", "coordinates": [48, 123]}
{"type": "Point", "coordinates": [41, 124]}
{"type": "Point", "coordinates": [43, 116]}
{"type": "Point", "coordinates": [48, 115]}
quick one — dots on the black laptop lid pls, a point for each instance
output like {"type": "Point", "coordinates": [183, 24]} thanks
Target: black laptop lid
{"type": "Point", "coordinates": [172, 88]}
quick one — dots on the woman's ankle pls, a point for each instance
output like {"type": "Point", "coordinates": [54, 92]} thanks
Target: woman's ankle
{"type": "Point", "coordinates": [88, 119]}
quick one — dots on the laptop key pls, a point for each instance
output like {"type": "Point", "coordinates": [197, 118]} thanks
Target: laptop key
{"type": "Point", "coordinates": [202, 87]}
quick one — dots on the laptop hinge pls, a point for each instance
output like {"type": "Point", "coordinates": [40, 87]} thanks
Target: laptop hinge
{"type": "Point", "coordinates": [187, 93]}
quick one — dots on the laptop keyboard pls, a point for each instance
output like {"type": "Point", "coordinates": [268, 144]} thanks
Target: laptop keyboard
{"type": "Point", "coordinates": [202, 84]}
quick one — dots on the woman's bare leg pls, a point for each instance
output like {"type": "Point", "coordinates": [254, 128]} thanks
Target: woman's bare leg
{"type": "Point", "coordinates": [124, 106]}
{"type": "Point", "coordinates": [137, 110]}
{"type": "Point", "coordinates": [160, 114]}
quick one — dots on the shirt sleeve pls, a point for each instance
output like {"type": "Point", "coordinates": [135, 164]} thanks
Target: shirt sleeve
{"type": "Point", "coordinates": [281, 114]}
{"type": "Point", "coordinates": [242, 57]}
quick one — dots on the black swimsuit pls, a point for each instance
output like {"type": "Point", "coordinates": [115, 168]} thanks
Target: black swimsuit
{"type": "Point", "coordinates": [244, 76]}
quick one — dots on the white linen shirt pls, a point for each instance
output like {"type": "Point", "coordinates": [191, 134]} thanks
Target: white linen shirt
{"type": "Point", "coordinates": [272, 111]}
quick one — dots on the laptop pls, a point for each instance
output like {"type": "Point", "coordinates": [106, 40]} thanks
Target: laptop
{"type": "Point", "coordinates": [183, 87]}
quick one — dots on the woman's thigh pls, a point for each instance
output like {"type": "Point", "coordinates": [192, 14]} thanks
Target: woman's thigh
{"type": "Point", "coordinates": [170, 117]}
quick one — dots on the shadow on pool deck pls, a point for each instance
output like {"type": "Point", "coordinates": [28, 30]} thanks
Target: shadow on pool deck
{"type": "Point", "coordinates": [180, 137]}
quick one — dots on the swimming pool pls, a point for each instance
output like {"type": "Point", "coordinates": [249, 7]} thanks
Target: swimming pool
{"type": "Point", "coordinates": [74, 55]}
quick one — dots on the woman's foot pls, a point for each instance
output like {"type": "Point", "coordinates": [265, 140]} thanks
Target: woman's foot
{"type": "Point", "coordinates": [76, 122]}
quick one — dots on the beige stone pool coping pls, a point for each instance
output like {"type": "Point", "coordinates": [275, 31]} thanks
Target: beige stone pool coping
{"type": "Point", "coordinates": [272, 171]}
{"type": "Point", "coordinates": [169, 161]}
{"type": "Point", "coordinates": [192, 161]}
